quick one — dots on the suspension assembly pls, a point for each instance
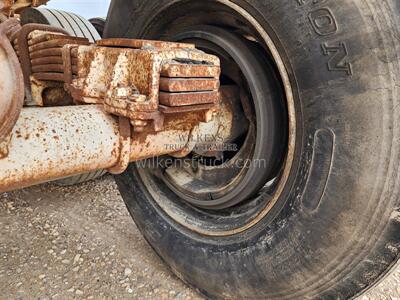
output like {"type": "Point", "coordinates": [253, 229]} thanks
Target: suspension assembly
{"type": "Point", "coordinates": [98, 105]}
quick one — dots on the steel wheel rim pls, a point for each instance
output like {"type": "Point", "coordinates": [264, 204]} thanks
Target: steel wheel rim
{"type": "Point", "coordinates": [268, 209]}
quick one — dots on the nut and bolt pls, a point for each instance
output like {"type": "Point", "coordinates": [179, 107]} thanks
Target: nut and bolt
{"type": "Point", "coordinates": [139, 125]}
{"type": "Point", "coordinates": [125, 92]}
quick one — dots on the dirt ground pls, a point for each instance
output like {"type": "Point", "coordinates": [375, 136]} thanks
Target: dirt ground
{"type": "Point", "coordinates": [80, 243]}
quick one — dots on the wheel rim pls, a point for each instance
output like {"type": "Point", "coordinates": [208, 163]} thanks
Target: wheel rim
{"type": "Point", "coordinates": [249, 213]}
{"type": "Point", "coordinates": [261, 110]}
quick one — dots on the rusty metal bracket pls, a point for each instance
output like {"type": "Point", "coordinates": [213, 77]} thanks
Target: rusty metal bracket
{"type": "Point", "coordinates": [12, 95]}
{"type": "Point", "coordinates": [145, 80]}
{"type": "Point", "coordinates": [67, 65]}
{"type": "Point", "coordinates": [23, 48]}
{"type": "Point", "coordinates": [45, 62]}
{"type": "Point", "coordinates": [125, 145]}
{"type": "Point", "coordinates": [137, 79]}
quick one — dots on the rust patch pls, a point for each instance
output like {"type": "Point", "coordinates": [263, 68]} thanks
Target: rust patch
{"type": "Point", "coordinates": [139, 44]}
{"type": "Point", "coordinates": [190, 70]}
{"type": "Point", "coordinates": [125, 146]}
{"type": "Point", "coordinates": [188, 84]}
{"type": "Point", "coordinates": [57, 68]}
{"type": "Point", "coordinates": [167, 110]}
{"type": "Point", "coordinates": [48, 76]}
{"type": "Point", "coordinates": [10, 103]}
{"type": "Point", "coordinates": [46, 52]}
{"type": "Point", "coordinates": [57, 41]}
{"type": "Point", "coordinates": [4, 146]}
{"type": "Point", "coordinates": [183, 99]}
{"type": "Point", "coordinates": [51, 60]}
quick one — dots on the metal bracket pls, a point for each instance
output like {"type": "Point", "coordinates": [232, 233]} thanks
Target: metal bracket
{"type": "Point", "coordinates": [125, 145]}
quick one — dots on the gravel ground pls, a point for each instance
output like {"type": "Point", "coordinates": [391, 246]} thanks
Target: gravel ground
{"type": "Point", "coordinates": [80, 243]}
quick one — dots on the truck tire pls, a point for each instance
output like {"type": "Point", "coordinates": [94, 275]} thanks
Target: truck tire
{"type": "Point", "coordinates": [74, 24]}
{"type": "Point", "coordinates": [81, 178]}
{"type": "Point", "coordinates": [99, 24]}
{"type": "Point", "coordinates": [328, 225]}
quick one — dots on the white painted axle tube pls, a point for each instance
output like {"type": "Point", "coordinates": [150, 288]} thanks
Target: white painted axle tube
{"type": "Point", "coordinates": [58, 142]}
{"type": "Point", "coordinates": [53, 143]}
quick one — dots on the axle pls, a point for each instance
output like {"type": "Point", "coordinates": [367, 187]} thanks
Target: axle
{"type": "Point", "coordinates": [53, 143]}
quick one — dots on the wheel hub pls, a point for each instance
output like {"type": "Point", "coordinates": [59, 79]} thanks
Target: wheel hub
{"type": "Point", "coordinates": [252, 153]}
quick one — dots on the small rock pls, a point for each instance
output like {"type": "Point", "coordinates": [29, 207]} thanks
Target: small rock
{"type": "Point", "coordinates": [76, 258]}
{"type": "Point", "coordinates": [66, 261]}
{"type": "Point", "coordinates": [79, 292]}
{"type": "Point", "coordinates": [127, 272]}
